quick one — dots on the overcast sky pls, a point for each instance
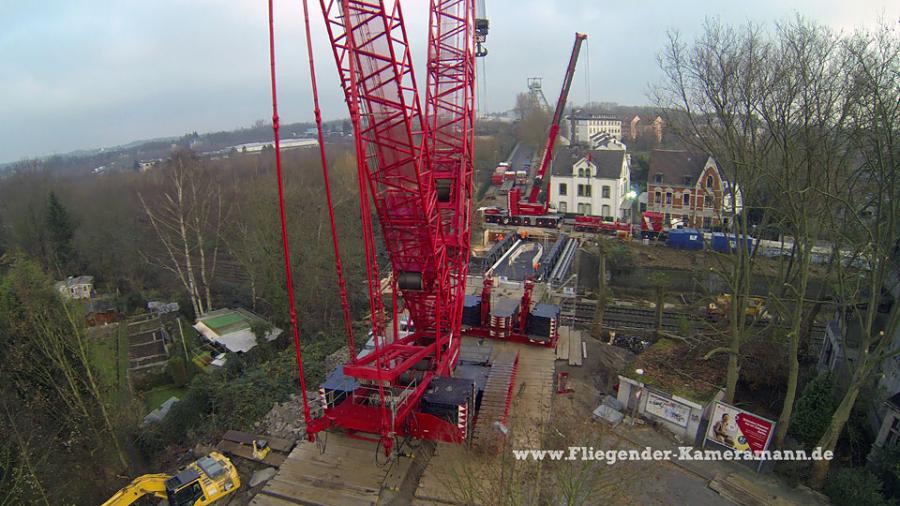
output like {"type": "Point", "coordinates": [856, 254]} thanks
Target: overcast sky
{"type": "Point", "coordinates": [84, 74]}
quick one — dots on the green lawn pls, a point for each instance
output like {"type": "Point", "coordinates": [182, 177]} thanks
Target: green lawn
{"type": "Point", "coordinates": [155, 397]}
{"type": "Point", "coordinates": [109, 356]}
{"type": "Point", "coordinates": [219, 323]}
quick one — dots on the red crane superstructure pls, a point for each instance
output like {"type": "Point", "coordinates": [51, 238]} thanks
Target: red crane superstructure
{"type": "Point", "coordinates": [415, 170]}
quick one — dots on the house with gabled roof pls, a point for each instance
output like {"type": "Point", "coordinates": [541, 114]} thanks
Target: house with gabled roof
{"type": "Point", "coordinates": [690, 188]}
{"type": "Point", "coordinates": [73, 288]}
{"type": "Point", "coordinates": [591, 182]}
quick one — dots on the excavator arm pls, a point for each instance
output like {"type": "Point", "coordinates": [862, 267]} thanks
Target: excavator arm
{"type": "Point", "coordinates": [148, 484]}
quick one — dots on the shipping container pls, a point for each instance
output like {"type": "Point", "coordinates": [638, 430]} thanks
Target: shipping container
{"type": "Point", "coordinates": [685, 238]}
{"type": "Point", "coordinates": [727, 243]}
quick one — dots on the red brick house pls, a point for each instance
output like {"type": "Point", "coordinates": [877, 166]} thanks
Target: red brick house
{"type": "Point", "coordinates": [652, 129]}
{"type": "Point", "coordinates": [690, 187]}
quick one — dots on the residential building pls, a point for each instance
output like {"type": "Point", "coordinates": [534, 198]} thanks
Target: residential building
{"type": "Point", "coordinates": [889, 431]}
{"type": "Point", "coordinates": [605, 140]}
{"type": "Point", "coordinates": [690, 188]}
{"type": "Point", "coordinates": [840, 354]}
{"type": "Point", "coordinates": [235, 329]}
{"type": "Point", "coordinates": [591, 182]}
{"type": "Point", "coordinates": [584, 125]}
{"type": "Point", "coordinates": [81, 287]}
{"type": "Point", "coordinates": [638, 128]}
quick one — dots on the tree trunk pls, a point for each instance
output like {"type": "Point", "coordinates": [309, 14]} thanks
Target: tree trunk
{"type": "Point", "coordinates": [833, 433]}
{"type": "Point", "coordinates": [189, 268]}
{"type": "Point", "coordinates": [26, 456]}
{"type": "Point", "coordinates": [787, 408]}
{"type": "Point", "coordinates": [601, 299]}
{"type": "Point", "coordinates": [733, 372]}
{"type": "Point", "coordinates": [660, 306]}
{"type": "Point", "coordinates": [95, 391]}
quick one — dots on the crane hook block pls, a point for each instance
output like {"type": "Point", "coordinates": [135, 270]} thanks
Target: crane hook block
{"type": "Point", "coordinates": [410, 280]}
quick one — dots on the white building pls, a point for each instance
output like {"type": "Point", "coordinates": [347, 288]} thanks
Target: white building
{"type": "Point", "coordinates": [591, 182]}
{"type": "Point", "coordinates": [583, 126]}
{"type": "Point", "coordinates": [76, 288]}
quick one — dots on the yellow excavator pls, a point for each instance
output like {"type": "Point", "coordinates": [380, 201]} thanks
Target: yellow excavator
{"type": "Point", "coordinates": [756, 307]}
{"type": "Point", "coordinates": [203, 481]}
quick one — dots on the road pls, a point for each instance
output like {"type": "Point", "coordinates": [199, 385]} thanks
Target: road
{"type": "Point", "coordinates": [521, 157]}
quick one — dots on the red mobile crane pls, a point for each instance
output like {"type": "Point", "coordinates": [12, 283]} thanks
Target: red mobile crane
{"type": "Point", "coordinates": [415, 169]}
{"type": "Point", "coordinates": [532, 212]}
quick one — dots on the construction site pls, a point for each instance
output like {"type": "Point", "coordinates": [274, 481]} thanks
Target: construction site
{"type": "Point", "coordinates": [419, 302]}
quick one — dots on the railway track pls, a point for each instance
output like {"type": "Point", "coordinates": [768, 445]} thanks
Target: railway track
{"type": "Point", "coordinates": [581, 314]}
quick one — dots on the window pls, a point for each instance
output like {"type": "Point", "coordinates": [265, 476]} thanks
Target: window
{"type": "Point", "coordinates": [606, 193]}
{"type": "Point", "coordinates": [188, 494]}
{"type": "Point", "coordinates": [587, 190]}
{"type": "Point", "coordinates": [584, 208]}
{"type": "Point", "coordinates": [563, 189]}
{"type": "Point", "coordinates": [708, 201]}
{"type": "Point", "coordinates": [580, 172]}
{"type": "Point", "coordinates": [606, 212]}
{"type": "Point", "coordinates": [686, 180]}
{"type": "Point", "coordinates": [581, 190]}
{"type": "Point", "coordinates": [657, 197]}
{"type": "Point", "coordinates": [707, 222]}
{"type": "Point", "coordinates": [894, 434]}
{"type": "Point", "coordinates": [668, 219]}
{"type": "Point", "coordinates": [563, 207]}
{"type": "Point", "coordinates": [709, 181]}
{"type": "Point", "coordinates": [669, 198]}
{"type": "Point", "coordinates": [657, 178]}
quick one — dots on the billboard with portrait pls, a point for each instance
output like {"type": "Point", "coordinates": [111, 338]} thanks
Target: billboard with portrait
{"type": "Point", "coordinates": [738, 429]}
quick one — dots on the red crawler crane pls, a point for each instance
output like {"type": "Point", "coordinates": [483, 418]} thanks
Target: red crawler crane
{"type": "Point", "coordinates": [530, 211]}
{"type": "Point", "coordinates": [415, 169]}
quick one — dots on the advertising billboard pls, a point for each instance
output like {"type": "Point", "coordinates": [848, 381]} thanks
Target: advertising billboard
{"type": "Point", "coordinates": [668, 409]}
{"type": "Point", "coordinates": [738, 429]}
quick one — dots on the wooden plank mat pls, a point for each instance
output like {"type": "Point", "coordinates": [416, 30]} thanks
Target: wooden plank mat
{"type": "Point", "coordinates": [345, 474]}
{"type": "Point", "coordinates": [447, 471]}
{"type": "Point", "coordinates": [562, 344]}
{"type": "Point", "coordinates": [575, 357]}
{"type": "Point", "coordinates": [533, 395]}
{"type": "Point", "coordinates": [453, 465]}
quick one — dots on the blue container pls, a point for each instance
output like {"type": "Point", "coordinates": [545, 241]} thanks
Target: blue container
{"type": "Point", "coordinates": [728, 243]}
{"type": "Point", "coordinates": [685, 238]}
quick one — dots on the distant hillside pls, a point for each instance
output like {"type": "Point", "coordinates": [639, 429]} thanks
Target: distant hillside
{"type": "Point", "coordinates": [130, 156]}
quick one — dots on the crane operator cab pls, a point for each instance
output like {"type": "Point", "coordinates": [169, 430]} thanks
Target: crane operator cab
{"type": "Point", "coordinates": [207, 480]}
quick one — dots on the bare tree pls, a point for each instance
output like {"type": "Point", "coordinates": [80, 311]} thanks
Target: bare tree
{"type": "Point", "coordinates": [187, 219]}
{"type": "Point", "coordinates": [709, 97]}
{"type": "Point", "coordinates": [872, 211]}
{"type": "Point", "coordinates": [805, 115]}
